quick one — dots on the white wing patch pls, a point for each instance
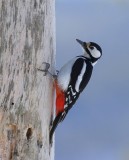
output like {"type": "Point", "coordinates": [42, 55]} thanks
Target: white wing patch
{"type": "Point", "coordinates": [73, 93]}
{"type": "Point", "coordinates": [69, 97]}
{"type": "Point", "coordinates": [79, 79]}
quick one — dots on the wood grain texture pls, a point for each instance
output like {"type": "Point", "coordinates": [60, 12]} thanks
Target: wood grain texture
{"type": "Point", "coordinates": [27, 38]}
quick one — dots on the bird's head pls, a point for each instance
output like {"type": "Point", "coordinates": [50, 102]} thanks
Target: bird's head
{"type": "Point", "coordinates": [92, 51]}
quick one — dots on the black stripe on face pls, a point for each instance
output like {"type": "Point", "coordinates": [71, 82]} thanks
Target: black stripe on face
{"type": "Point", "coordinates": [92, 59]}
{"type": "Point", "coordinates": [97, 46]}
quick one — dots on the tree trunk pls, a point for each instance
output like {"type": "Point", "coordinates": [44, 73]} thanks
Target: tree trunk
{"type": "Point", "coordinates": [27, 38]}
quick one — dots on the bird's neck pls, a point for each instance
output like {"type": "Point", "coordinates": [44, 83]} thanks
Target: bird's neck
{"type": "Point", "coordinates": [93, 63]}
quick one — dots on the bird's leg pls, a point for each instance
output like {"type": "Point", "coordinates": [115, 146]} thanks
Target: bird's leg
{"type": "Point", "coordinates": [45, 70]}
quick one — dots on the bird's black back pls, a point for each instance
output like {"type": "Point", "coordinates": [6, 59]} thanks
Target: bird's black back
{"type": "Point", "coordinates": [76, 70]}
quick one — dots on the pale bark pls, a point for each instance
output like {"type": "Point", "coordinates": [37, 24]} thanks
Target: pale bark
{"type": "Point", "coordinates": [27, 38]}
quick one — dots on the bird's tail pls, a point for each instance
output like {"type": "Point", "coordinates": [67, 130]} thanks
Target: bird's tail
{"type": "Point", "coordinates": [57, 120]}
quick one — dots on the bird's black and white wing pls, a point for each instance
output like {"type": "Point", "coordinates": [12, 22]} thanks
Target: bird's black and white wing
{"type": "Point", "coordinates": [80, 75]}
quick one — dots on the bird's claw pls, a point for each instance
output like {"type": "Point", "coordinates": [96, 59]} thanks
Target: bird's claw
{"type": "Point", "coordinates": [45, 67]}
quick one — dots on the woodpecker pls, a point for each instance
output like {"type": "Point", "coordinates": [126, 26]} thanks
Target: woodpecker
{"type": "Point", "coordinates": [71, 80]}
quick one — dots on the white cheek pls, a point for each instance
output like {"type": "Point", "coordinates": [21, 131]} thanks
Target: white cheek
{"type": "Point", "coordinates": [95, 53]}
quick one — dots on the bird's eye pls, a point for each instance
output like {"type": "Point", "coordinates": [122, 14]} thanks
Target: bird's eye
{"type": "Point", "coordinates": [91, 47]}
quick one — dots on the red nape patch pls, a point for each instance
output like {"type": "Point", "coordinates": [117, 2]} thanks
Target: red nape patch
{"type": "Point", "coordinates": [60, 99]}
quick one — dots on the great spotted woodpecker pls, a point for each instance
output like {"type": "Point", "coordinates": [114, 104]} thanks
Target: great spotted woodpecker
{"type": "Point", "coordinates": [72, 79]}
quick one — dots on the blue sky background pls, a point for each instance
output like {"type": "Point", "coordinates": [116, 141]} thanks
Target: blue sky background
{"type": "Point", "coordinates": [97, 127]}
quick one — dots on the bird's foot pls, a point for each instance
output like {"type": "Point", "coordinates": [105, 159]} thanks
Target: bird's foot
{"type": "Point", "coordinates": [45, 69]}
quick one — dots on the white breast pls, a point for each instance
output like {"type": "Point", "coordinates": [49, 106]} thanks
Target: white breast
{"type": "Point", "coordinates": [64, 75]}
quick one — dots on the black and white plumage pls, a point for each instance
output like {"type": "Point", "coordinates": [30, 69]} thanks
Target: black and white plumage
{"type": "Point", "coordinates": [73, 78]}
{"type": "Point", "coordinates": [80, 75]}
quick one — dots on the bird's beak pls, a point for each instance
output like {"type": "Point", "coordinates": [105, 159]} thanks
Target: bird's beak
{"type": "Point", "coordinates": [80, 42]}
{"type": "Point", "coordinates": [83, 44]}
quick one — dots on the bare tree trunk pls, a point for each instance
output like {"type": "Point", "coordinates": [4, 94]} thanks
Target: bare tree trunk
{"type": "Point", "coordinates": [27, 38]}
